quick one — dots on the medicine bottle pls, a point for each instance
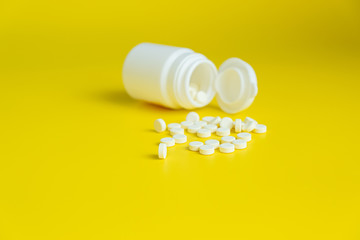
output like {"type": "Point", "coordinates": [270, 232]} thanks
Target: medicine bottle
{"type": "Point", "coordinates": [175, 77]}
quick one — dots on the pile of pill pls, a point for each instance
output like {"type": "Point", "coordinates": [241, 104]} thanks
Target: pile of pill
{"type": "Point", "coordinates": [204, 128]}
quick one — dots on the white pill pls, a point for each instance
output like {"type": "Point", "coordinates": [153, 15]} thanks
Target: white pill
{"type": "Point", "coordinates": [206, 150]}
{"type": "Point", "coordinates": [169, 141]}
{"type": "Point", "coordinates": [244, 136]}
{"type": "Point", "coordinates": [173, 125]}
{"type": "Point", "coordinates": [239, 143]}
{"type": "Point", "coordinates": [227, 148]}
{"type": "Point", "coordinates": [186, 124]}
{"type": "Point", "coordinates": [215, 121]}
{"type": "Point", "coordinates": [242, 126]}
{"type": "Point", "coordinates": [162, 151]}
{"type": "Point", "coordinates": [180, 138]}
{"type": "Point", "coordinates": [248, 119]}
{"type": "Point", "coordinates": [226, 122]}
{"type": "Point", "coordinates": [237, 125]}
{"type": "Point", "coordinates": [192, 116]}
{"type": "Point", "coordinates": [192, 92]}
{"type": "Point", "coordinates": [249, 126]}
{"type": "Point", "coordinates": [194, 146]}
{"type": "Point", "coordinates": [174, 131]}
{"type": "Point", "coordinates": [200, 123]}
{"type": "Point", "coordinates": [211, 127]}
{"type": "Point", "coordinates": [159, 125]}
{"type": "Point", "coordinates": [207, 119]}
{"type": "Point", "coordinates": [223, 132]}
{"type": "Point", "coordinates": [201, 97]}
{"type": "Point", "coordinates": [260, 128]}
{"type": "Point", "coordinates": [213, 142]}
{"type": "Point", "coordinates": [193, 128]}
{"type": "Point", "coordinates": [203, 133]}
{"type": "Point", "coordinates": [227, 139]}
{"type": "Point", "coordinates": [194, 86]}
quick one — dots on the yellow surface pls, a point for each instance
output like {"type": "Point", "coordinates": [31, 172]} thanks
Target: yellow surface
{"type": "Point", "coordinates": [78, 156]}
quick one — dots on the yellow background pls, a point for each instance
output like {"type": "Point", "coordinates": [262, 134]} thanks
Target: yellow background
{"type": "Point", "coordinates": [78, 156]}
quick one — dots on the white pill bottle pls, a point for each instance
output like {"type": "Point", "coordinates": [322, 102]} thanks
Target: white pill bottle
{"type": "Point", "coordinates": [168, 76]}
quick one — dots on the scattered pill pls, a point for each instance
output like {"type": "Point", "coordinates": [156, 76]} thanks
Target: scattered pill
{"type": "Point", "coordinates": [169, 141]}
{"type": "Point", "coordinates": [240, 143]}
{"type": "Point", "coordinates": [162, 151]}
{"type": "Point", "coordinates": [159, 125]}
{"type": "Point", "coordinates": [207, 119]}
{"type": "Point", "coordinates": [213, 142]}
{"type": "Point", "coordinates": [192, 116]}
{"type": "Point", "coordinates": [242, 125]}
{"type": "Point", "coordinates": [227, 148]}
{"type": "Point", "coordinates": [186, 124]}
{"type": "Point", "coordinates": [223, 132]}
{"type": "Point", "coordinates": [173, 125]}
{"type": "Point", "coordinates": [203, 133]}
{"type": "Point", "coordinates": [194, 86]}
{"type": "Point", "coordinates": [227, 139]}
{"type": "Point", "coordinates": [174, 131]}
{"type": "Point", "coordinates": [248, 119]}
{"type": "Point", "coordinates": [237, 125]}
{"type": "Point", "coordinates": [249, 126]}
{"type": "Point", "coordinates": [180, 138]}
{"type": "Point", "coordinates": [206, 150]}
{"type": "Point", "coordinates": [260, 128]}
{"type": "Point", "coordinates": [200, 123]}
{"type": "Point", "coordinates": [211, 127]}
{"type": "Point", "coordinates": [244, 136]}
{"type": "Point", "coordinates": [194, 146]}
{"type": "Point", "coordinates": [192, 92]}
{"type": "Point", "coordinates": [193, 128]}
{"type": "Point", "coordinates": [226, 122]}
{"type": "Point", "coordinates": [201, 97]}
{"type": "Point", "coordinates": [215, 121]}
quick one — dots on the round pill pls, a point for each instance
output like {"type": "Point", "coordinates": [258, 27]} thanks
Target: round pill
{"type": "Point", "coordinates": [192, 92]}
{"type": "Point", "coordinates": [226, 122]}
{"type": "Point", "coordinates": [250, 126]}
{"type": "Point", "coordinates": [215, 121]}
{"type": "Point", "coordinates": [174, 131]}
{"type": "Point", "coordinates": [186, 124]}
{"type": "Point", "coordinates": [159, 125]}
{"type": "Point", "coordinates": [223, 132]}
{"type": "Point", "coordinates": [193, 128]}
{"type": "Point", "coordinates": [260, 128]}
{"type": "Point", "coordinates": [244, 136]}
{"type": "Point", "coordinates": [203, 133]}
{"type": "Point", "coordinates": [192, 116]}
{"type": "Point", "coordinates": [237, 125]}
{"type": "Point", "coordinates": [227, 139]}
{"type": "Point", "coordinates": [206, 150]}
{"type": "Point", "coordinates": [213, 142]}
{"type": "Point", "coordinates": [207, 119]}
{"type": "Point", "coordinates": [194, 146]}
{"type": "Point", "coordinates": [173, 125]}
{"type": "Point", "coordinates": [200, 123]}
{"type": "Point", "coordinates": [162, 151]}
{"type": "Point", "coordinates": [180, 138]}
{"type": "Point", "coordinates": [227, 148]}
{"type": "Point", "coordinates": [194, 86]}
{"type": "Point", "coordinates": [169, 141]}
{"type": "Point", "coordinates": [239, 143]}
{"type": "Point", "coordinates": [248, 119]}
{"type": "Point", "coordinates": [211, 127]}
{"type": "Point", "coordinates": [201, 97]}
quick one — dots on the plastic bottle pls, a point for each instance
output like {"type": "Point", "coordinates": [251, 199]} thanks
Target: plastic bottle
{"type": "Point", "coordinates": [163, 75]}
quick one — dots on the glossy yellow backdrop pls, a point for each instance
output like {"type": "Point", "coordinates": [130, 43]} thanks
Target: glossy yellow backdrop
{"type": "Point", "coordinates": [78, 156]}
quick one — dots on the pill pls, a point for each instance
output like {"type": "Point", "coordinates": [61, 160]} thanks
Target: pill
{"type": "Point", "coordinates": [213, 142]}
{"type": "Point", "coordinates": [211, 127]}
{"type": "Point", "coordinates": [223, 132]}
{"type": "Point", "coordinates": [237, 125]}
{"type": "Point", "coordinates": [206, 150]}
{"type": "Point", "coordinates": [260, 128]}
{"type": "Point", "coordinates": [192, 116]}
{"type": "Point", "coordinates": [194, 86]}
{"type": "Point", "coordinates": [193, 128]}
{"type": "Point", "coordinates": [174, 131]}
{"type": "Point", "coordinates": [200, 123]}
{"type": "Point", "coordinates": [244, 136]}
{"type": "Point", "coordinates": [207, 119]}
{"type": "Point", "coordinates": [180, 138]}
{"type": "Point", "coordinates": [159, 125]}
{"type": "Point", "coordinates": [203, 133]}
{"type": "Point", "coordinates": [169, 141]}
{"type": "Point", "coordinates": [227, 148]}
{"type": "Point", "coordinates": [242, 125]}
{"type": "Point", "coordinates": [201, 97]}
{"type": "Point", "coordinates": [215, 121]}
{"type": "Point", "coordinates": [186, 124]}
{"type": "Point", "coordinates": [248, 119]}
{"type": "Point", "coordinates": [226, 122]}
{"type": "Point", "coordinates": [227, 139]}
{"type": "Point", "coordinates": [162, 151]}
{"type": "Point", "coordinates": [239, 143]}
{"type": "Point", "coordinates": [173, 125]}
{"type": "Point", "coordinates": [249, 126]}
{"type": "Point", "coordinates": [192, 92]}
{"type": "Point", "coordinates": [194, 146]}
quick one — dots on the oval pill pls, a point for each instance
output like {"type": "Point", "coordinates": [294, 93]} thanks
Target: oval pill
{"type": "Point", "coordinates": [193, 128]}
{"type": "Point", "coordinates": [162, 151]}
{"type": "Point", "coordinates": [227, 148]}
{"type": "Point", "coordinates": [180, 138]}
{"type": "Point", "coordinates": [213, 142]}
{"type": "Point", "coordinates": [244, 136]}
{"type": "Point", "coordinates": [186, 124]}
{"type": "Point", "coordinates": [174, 131]}
{"type": "Point", "coordinates": [192, 116]}
{"type": "Point", "coordinates": [260, 128]}
{"type": "Point", "coordinates": [223, 132]}
{"type": "Point", "coordinates": [206, 150]}
{"type": "Point", "coordinates": [169, 141]}
{"type": "Point", "coordinates": [240, 143]}
{"type": "Point", "coordinates": [159, 125]}
{"type": "Point", "coordinates": [173, 125]}
{"type": "Point", "coordinates": [203, 133]}
{"type": "Point", "coordinates": [227, 139]}
{"type": "Point", "coordinates": [194, 146]}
